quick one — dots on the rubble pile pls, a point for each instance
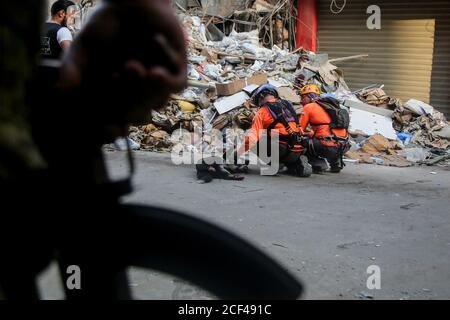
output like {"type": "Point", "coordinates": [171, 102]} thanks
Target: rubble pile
{"type": "Point", "coordinates": [422, 134]}
{"type": "Point", "coordinates": [425, 126]}
{"type": "Point", "coordinates": [223, 71]}
{"type": "Point", "coordinates": [377, 149]}
{"type": "Point", "coordinates": [377, 97]}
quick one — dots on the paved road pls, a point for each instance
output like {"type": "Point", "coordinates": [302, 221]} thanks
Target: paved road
{"type": "Point", "coordinates": [327, 229]}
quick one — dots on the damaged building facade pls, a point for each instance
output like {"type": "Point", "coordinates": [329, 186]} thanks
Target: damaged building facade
{"type": "Point", "coordinates": [387, 63]}
{"type": "Point", "coordinates": [409, 54]}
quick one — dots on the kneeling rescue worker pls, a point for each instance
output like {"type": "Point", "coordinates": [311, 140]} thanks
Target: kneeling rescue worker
{"type": "Point", "coordinates": [278, 114]}
{"type": "Point", "coordinates": [329, 124]}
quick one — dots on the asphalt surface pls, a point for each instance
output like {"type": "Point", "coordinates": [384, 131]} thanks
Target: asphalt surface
{"type": "Point", "coordinates": [326, 229]}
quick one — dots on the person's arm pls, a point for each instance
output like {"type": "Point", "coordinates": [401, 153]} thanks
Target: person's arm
{"type": "Point", "coordinates": [254, 134]}
{"type": "Point", "coordinates": [65, 45]}
{"type": "Point", "coordinates": [64, 37]}
{"type": "Point", "coordinates": [304, 120]}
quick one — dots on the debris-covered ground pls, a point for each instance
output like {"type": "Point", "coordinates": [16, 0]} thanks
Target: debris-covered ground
{"type": "Point", "coordinates": [224, 69]}
{"type": "Point", "coordinates": [326, 229]}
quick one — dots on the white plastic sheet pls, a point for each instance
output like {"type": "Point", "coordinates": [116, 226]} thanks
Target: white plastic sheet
{"type": "Point", "coordinates": [371, 123]}
{"type": "Point", "coordinates": [226, 104]}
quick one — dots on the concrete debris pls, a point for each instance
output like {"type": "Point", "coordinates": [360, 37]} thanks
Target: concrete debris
{"type": "Point", "coordinates": [262, 6]}
{"type": "Point", "coordinates": [444, 132]}
{"type": "Point", "coordinates": [157, 140]}
{"type": "Point", "coordinates": [289, 94]}
{"type": "Point", "coordinates": [226, 66]}
{"type": "Point", "coordinates": [364, 295]}
{"type": "Point", "coordinates": [418, 107]}
{"type": "Point", "coordinates": [350, 161]}
{"type": "Point", "coordinates": [377, 97]}
{"type": "Point", "coordinates": [226, 104]}
{"type": "Point", "coordinates": [356, 104]}
{"type": "Point", "coordinates": [441, 158]}
{"type": "Point", "coordinates": [280, 82]}
{"type": "Point", "coordinates": [379, 150]}
{"type": "Point", "coordinates": [415, 154]}
{"type": "Point", "coordinates": [371, 123]}
{"type": "Point", "coordinates": [426, 128]}
{"type": "Point", "coordinates": [250, 88]}
{"type": "Point", "coordinates": [316, 68]}
{"type": "Point", "coordinates": [122, 144]}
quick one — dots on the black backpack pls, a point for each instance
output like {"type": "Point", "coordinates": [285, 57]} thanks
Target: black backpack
{"type": "Point", "coordinates": [283, 112]}
{"type": "Point", "coordinates": [340, 118]}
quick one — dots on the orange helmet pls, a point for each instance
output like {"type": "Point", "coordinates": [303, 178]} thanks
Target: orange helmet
{"type": "Point", "coordinates": [310, 88]}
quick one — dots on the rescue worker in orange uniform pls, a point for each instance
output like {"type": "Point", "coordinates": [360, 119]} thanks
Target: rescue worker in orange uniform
{"type": "Point", "coordinates": [277, 114]}
{"type": "Point", "coordinates": [329, 137]}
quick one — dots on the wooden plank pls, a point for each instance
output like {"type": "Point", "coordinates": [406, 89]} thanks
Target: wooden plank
{"type": "Point", "coordinates": [349, 58]}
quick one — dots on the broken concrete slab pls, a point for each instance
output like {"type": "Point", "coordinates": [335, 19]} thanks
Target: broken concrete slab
{"type": "Point", "coordinates": [369, 108]}
{"type": "Point", "coordinates": [279, 83]}
{"type": "Point", "coordinates": [419, 107]}
{"type": "Point", "coordinates": [289, 94]}
{"type": "Point", "coordinates": [371, 123]}
{"type": "Point", "coordinates": [226, 104]}
{"type": "Point", "coordinates": [250, 88]}
{"type": "Point", "coordinates": [444, 132]}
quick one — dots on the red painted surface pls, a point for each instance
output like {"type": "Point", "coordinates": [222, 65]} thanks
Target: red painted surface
{"type": "Point", "coordinates": [307, 25]}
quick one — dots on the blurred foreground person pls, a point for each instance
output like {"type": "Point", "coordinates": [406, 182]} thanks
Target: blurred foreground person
{"type": "Point", "coordinates": [110, 78]}
{"type": "Point", "coordinates": [56, 37]}
{"type": "Point", "coordinates": [59, 201]}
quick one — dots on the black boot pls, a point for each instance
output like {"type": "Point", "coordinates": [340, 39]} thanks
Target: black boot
{"type": "Point", "coordinates": [303, 168]}
{"type": "Point", "coordinates": [336, 166]}
{"type": "Point", "coordinates": [335, 169]}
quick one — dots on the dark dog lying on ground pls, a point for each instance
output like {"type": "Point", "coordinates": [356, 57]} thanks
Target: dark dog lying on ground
{"type": "Point", "coordinates": [207, 172]}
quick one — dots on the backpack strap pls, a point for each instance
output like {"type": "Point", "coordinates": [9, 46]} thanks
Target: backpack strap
{"type": "Point", "coordinates": [276, 109]}
{"type": "Point", "coordinates": [326, 104]}
{"type": "Point", "coordinates": [290, 107]}
{"type": "Point", "coordinates": [319, 124]}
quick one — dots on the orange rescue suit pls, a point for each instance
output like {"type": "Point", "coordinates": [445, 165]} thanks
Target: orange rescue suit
{"type": "Point", "coordinates": [314, 114]}
{"type": "Point", "coordinates": [262, 120]}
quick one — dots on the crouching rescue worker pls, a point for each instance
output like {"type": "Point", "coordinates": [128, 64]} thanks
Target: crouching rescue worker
{"type": "Point", "coordinates": [329, 124]}
{"type": "Point", "coordinates": [277, 114]}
